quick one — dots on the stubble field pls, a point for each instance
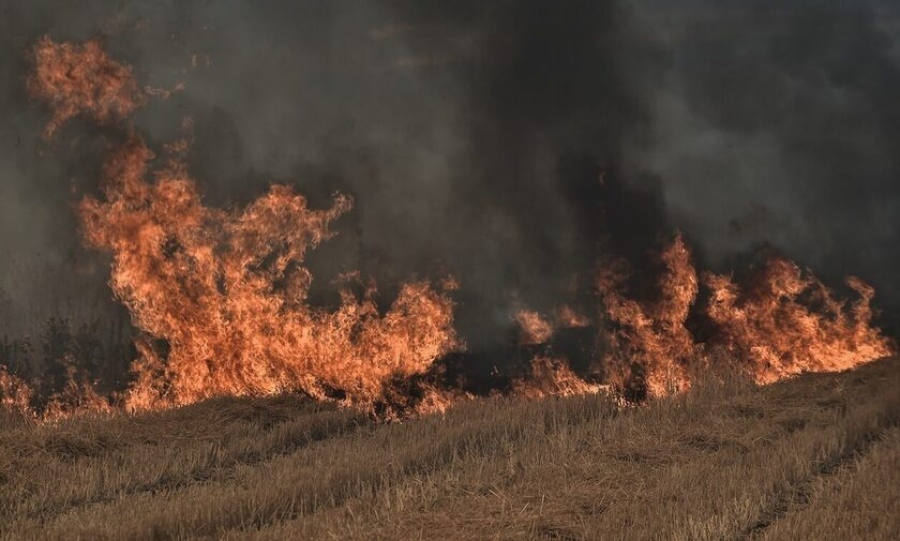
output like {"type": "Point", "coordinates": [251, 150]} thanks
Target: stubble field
{"type": "Point", "coordinates": [815, 457]}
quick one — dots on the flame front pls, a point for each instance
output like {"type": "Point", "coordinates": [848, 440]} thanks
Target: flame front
{"type": "Point", "coordinates": [220, 296]}
{"type": "Point", "coordinates": [766, 324]}
{"type": "Point", "coordinates": [781, 323]}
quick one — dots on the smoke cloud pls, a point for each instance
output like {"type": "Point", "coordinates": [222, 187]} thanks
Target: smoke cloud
{"type": "Point", "coordinates": [510, 143]}
{"type": "Point", "coordinates": [779, 124]}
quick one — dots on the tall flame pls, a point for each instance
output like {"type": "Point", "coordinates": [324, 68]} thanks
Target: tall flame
{"type": "Point", "coordinates": [220, 295]}
{"type": "Point", "coordinates": [649, 345]}
{"type": "Point", "coordinates": [781, 323]}
{"type": "Point", "coordinates": [226, 292]}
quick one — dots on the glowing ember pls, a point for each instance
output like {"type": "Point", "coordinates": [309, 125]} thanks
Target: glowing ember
{"type": "Point", "coordinates": [81, 79]}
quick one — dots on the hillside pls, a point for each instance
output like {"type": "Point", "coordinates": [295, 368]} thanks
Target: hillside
{"type": "Point", "coordinates": [814, 457]}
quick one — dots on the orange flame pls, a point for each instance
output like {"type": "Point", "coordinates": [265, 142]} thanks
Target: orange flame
{"type": "Point", "coordinates": [768, 325]}
{"type": "Point", "coordinates": [226, 291]}
{"type": "Point", "coordinates": [77, 397]}
{"type": "Point", "coordinates": [783, 323]}
{"type": "Point", "coordinates": [81, 79]}
{"type": "Point", "coordinates": [15, 394]}
{"type": "Point", "coordinates": [534, 328]}
{"type": "Point", "coordinates": [552, 377]}
{"type": "Point", "coordinates": [568, 318]}
{"type": "Point", "coordinates": [220, 295]}
{"type": "Point", "coordinates": [651, 347]}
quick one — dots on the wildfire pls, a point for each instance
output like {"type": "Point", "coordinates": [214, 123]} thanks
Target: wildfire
{"type": "Point", "coordinates": [766, 324]}
{"type": "Point", "coordinates": [650, 347]}
{"type": "Point", "coordinates": [81, 79]}
{"type": "Point", "coordinates": [14, 393]}
{"type": "Point", "coordinates": [226, 291]}
{"type": "Point", "coordinates": [781, 323]}
{"type": "Point", "coordinates": [219, 296]}
{"type": "Point", "coordinates": [568, 318]}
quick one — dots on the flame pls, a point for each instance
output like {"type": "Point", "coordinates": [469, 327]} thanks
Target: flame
{"type": "Point", "coordinates": [552, 377]}
{"type": "Point", "coordinates": [650, 347]}
{"type": "Point", "coordinates": [534, 328]}
{"type": "Point", "coordinates": [220, 295]}
{"type": "Point", "coordinates": [226, 291]}
{"type": "Point", "coordinates": [15, 394]}
{"type": "Point", "coordinates": [783, 322]}
{"type": "Point", "coordinates": [568, 318]}
{"type": "Point", "coordinates": [77, 397]}
{"type": "Point", "coordinates": [82, 79]}
{"type": "Point", "coordinates": [767, 324]}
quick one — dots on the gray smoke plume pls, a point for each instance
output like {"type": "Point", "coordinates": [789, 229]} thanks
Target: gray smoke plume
{"type": "Point", "coordinates": [509, 142]}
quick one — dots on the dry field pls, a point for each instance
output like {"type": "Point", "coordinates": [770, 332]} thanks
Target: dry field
{"type": "Point", "coordinates": [816, 457]}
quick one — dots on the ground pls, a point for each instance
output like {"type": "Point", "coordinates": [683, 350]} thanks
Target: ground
{"type": "Point", "coordinates": [815, 457]}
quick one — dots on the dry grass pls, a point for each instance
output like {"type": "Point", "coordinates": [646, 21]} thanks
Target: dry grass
{"type": "Point", "coordinates": [811, 458]}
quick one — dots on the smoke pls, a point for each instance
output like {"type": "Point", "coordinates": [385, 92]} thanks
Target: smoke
{"type": "Point", "coordinates": [779, 123]}
{"type": "Point", "coordinates": [510, 143]}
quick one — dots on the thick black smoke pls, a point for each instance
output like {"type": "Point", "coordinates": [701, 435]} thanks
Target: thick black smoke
{"type": "Point", "coordinates": [779, 123]}
{"type": "Point", "coordinates": [511, 143]}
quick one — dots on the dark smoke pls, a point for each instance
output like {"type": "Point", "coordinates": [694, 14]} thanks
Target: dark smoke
{"type": "Point", "coordinates": [779, 123]}
{"type": "Point", "coordinates": [512, 143]}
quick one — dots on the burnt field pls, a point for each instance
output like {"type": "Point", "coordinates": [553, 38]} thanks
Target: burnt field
{"type": "Point", "coordinates": [811, 457]}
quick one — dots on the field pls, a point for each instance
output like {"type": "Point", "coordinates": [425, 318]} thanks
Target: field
{"type": "Point", "coordinates": [815, 457]}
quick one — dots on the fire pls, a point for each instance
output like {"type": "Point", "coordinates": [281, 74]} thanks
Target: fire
{"type": "Point", "coordinates": [534, 328]}
{"type": "Point", "coordinates": [82, 79]}
{"type": "Point", "coordinates": [552, 377]}
{"type": "Point", "coordinates": [650, 347]}
{"type": "Point", "coordinates": [76, 397]}
{"type": "Point", "coordinates": [15, 394]}
{"type": "Point", "coordinates": [781, 323]}
{"type": "Point", "coordinates": [225, 292]}
{"type": "Point", "coordinates": [568, 318]}
{"type": "Point", "coordinates": [220, 296]}
{"type": "Point", "coordinates": [767, 324]}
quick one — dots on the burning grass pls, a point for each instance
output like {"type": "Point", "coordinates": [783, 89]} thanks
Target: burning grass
{"type": "Point", "coordinates": [219, 297]}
